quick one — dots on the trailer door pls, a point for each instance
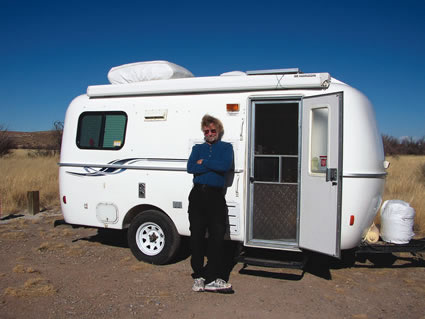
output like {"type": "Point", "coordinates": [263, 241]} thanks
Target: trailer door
{"type": "Point", "coordinates": [321, 172]}
{"type": "Point", "coordinates": [273, 185]}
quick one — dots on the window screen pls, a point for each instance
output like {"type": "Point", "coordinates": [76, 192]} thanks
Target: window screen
{"type": "Point", "coordinates": [101, 130]}
{"type": "Point", "coordinates": [266, 169]}
{"type": "Point", "coordinates": [276, 142]}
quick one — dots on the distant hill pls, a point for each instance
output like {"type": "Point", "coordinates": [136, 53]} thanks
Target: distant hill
{"type": "Point", "coordinates": [34, 140]}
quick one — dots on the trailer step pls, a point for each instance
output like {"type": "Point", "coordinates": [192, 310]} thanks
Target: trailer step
{"type": "Point", "coordinates": [272, 263]}
{"type": "Point", "coordinates": [414, 246]}
{"type": "Point", "coordinates": [272, 258]}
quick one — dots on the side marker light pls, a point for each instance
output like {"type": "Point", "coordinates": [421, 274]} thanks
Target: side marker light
{"type": "Point", "coordinates": [351, 220]}
{"type": "Point", "coordinates": [232, 107]}
{"type": "Point", "coordinates": [64, 199]}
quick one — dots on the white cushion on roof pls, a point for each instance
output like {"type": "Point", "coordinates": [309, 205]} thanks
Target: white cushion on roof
{"type": "Point", "coordinates": [147, 71]}
{"type": "Point", "coordinates": [233, 73]}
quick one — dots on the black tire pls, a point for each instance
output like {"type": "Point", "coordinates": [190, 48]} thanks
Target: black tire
{"type": "Point", "coordinates": [153, 238]}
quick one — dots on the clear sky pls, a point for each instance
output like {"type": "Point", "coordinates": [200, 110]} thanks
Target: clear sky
{"type": "Point", "coordinates": [50, 51]}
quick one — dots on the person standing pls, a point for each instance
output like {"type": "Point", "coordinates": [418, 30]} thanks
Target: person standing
{"type": "Point", "coordinates": [209, 163]}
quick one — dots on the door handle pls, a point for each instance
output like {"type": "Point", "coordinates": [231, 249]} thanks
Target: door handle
{"type": "Point", "coordinates": [251, 179]}
{"type": "Point", "coordinates": [332, 175]}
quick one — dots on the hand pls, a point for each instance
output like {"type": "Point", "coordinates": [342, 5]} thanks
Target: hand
{"type": "Point", "coordinates": [199, 161]}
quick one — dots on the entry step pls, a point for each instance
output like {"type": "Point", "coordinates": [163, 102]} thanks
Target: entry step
{"type": "Point", "coordinates": [271, 263]}
{"type": "Point", "coordinates": [274, 259]}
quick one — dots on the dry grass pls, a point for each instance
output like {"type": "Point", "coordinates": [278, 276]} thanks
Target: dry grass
{"type": "Point", "coordinates": [140, 266]}
{"type": "Point", "coordinates": [22, 269]}
{"type": "Point", "coordinates": [33, 287]}
{"type": "Point", "coordinates": [405, 181]}
{"type": "Point", "coordinates": [13, 235]}
{"type": "Point", "coordinates": [49, 246]}
{"type": "Point", "coordinates": [21, 174]}
{"type": "Point", "coordinates": [125, 260]}
{"type": "Point", "coordinates": [76, 251]}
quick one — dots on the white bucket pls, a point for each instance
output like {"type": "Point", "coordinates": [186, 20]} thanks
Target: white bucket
{"type": "Point", "coordinates": [397, 219]}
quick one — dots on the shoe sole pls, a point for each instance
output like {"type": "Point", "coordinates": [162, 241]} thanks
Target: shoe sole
{"type": "Point", "coordinates": [200, 290]}
{"type": "Point", "coordinates": [221, 291]}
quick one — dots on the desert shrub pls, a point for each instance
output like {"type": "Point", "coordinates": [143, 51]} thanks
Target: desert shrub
{"type": "Point", "coordinates": [57, 135]}
{"type": "Point", "coordinates": [411, 147]}
{"type": "Point", "coordinates": [41, 153]}
{"type": "Point", "coordinates": [391, 145]}
{"type": "Point", "coordinates": [422, 173]}
{"type": "Point", "coordinates": [405, 146]}
{"type": "Point", "coordinates": [6, 142]}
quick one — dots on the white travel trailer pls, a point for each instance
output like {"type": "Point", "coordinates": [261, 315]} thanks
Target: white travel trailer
{"type": "Point", "coordinates": [308, 158]}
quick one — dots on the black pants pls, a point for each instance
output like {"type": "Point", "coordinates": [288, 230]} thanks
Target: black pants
{"type": "Point", "coordinates": [207, 212]}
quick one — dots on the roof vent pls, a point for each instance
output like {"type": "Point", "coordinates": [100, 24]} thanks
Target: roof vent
{"type": "Point", "coordinates": [274, 71]}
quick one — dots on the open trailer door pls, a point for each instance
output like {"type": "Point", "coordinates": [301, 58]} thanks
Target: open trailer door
{"type": "Point", "coordinates": [321, 174]}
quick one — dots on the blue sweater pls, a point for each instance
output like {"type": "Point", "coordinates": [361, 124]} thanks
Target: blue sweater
{"type": "Point", "coordinates": [217, 161]}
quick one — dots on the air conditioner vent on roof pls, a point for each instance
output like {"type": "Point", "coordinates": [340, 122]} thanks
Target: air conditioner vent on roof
{"type": "Point", "coordinates": [274, 71]}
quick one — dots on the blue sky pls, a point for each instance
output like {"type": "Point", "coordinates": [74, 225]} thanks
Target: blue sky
{"type": "Point", "coordinates": [50, 51]}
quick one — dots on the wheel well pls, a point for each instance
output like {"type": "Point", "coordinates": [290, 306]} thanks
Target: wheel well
{"type": "Point", "coordinates": [137, 210]}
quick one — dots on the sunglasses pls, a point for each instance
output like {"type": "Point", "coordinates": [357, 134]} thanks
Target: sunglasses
{"type": "Point", "coordinates": [213, 131]}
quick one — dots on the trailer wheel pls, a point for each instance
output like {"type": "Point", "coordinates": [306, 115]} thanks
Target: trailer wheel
{"type": "Point", "coordinates": [153, 238]}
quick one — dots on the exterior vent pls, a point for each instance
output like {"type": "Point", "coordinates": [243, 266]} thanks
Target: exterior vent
{"type": "Point", "coordinates": [156, 115]}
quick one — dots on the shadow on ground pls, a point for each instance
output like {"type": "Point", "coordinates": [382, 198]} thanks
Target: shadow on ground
{"type": "Point", "coordinates": [321, 265]}
{"type": "Point", "coordinates": [11, 216]}
{"type": "Point", "coordinates": [118, 238]}
{"type": "Point", "coordinates": [109, 237]}
{"type": "Point", "coordinates": [316, 264]}
{"type": "Point", "coordinates": [105, 236]}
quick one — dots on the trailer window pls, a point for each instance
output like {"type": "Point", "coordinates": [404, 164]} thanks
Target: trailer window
{"type": "Point", "coordinates": [319, 140]}
{"type": "Point", "coordinates": [101, 130]}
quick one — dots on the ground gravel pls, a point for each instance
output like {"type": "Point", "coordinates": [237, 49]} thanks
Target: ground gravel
{"type": "Point", "coordinates": [50, 269]}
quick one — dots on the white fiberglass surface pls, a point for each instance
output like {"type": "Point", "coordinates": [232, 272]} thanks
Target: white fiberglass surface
{"type": "Point", "coordinates": [161, 144]}
{"type": "Point", "coordinates": [361, 198]}
{"type": "Point", "coordinates": [363, 149]}
{"type": "Point", "coordinates": [319, 196]}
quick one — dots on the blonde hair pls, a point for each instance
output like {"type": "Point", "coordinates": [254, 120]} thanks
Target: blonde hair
{"type": "Point", "coordinates": [208, 119]}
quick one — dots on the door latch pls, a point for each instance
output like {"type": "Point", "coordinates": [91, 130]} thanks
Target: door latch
{"type": "Point", "coordinates": [332, 175]}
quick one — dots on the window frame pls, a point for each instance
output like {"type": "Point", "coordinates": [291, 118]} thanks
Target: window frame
{"type": "Point", "coordinates": [104, 114]}
{"type": "Point", "coordinates": [319, 172]}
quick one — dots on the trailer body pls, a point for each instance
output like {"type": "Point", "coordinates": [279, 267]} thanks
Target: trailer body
{"type": "Point", "coordinates": [308, 160]}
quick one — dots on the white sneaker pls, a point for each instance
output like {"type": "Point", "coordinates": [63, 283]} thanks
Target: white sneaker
{"type": "Point", "coordinates": [199, 284]}
{"type": "Point", "coordinates": [218, 285]}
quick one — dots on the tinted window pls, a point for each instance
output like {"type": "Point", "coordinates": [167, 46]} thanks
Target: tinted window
{"type": "Point", "coordinates": [101, 130]}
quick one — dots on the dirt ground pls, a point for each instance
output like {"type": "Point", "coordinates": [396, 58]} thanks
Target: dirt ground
{"type": "Point", "coordinates": [49, 269]}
